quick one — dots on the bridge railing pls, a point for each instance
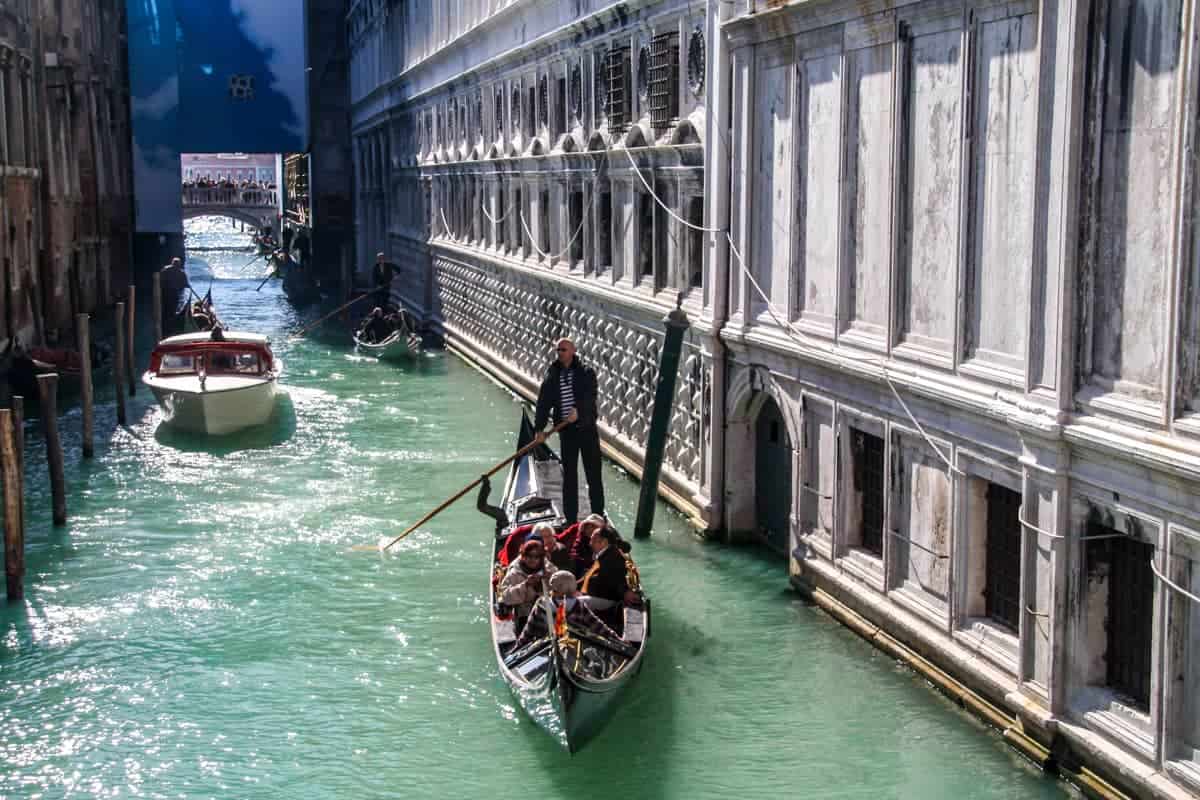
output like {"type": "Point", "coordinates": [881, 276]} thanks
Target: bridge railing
{"type": "Point", "coordinates": [221, 196]}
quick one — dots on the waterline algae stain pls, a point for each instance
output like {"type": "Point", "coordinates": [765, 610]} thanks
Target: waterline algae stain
{"type": "Point", "coordinates": [198, 629]}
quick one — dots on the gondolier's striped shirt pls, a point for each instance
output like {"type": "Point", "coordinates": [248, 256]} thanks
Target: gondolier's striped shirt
{"type": "Point", "coordinates": [566, 392]}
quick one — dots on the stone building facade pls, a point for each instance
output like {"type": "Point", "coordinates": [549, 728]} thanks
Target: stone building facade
{"type": "Point", "coordinates": [64, 163]}
{"type": "Point", "coordinates": [941, 265]}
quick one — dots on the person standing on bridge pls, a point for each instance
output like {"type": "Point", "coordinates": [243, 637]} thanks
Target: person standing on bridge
{"type": "Point", "coordinates": [569, 391]}
{"type": "Point", "coordinates": [175, 290]}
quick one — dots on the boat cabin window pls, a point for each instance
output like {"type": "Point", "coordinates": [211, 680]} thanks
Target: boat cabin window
{"type": "Point", "coordinates": [237, 362]}
{"type": "Point", "coordinates": [177, 364]}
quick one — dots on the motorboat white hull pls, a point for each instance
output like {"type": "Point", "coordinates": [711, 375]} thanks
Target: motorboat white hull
{"type": "Point", "coordinates": [217, 412]}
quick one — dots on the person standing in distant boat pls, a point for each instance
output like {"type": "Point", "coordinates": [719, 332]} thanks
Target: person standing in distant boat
{"type": "Point", "coordinates": [569, 394]}
{"type": "Point", "coordinates": [175, 289]}
{"type": "Point", "coordinates": [382, 275]}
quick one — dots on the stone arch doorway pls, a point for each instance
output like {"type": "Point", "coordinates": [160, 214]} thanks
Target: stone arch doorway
{"type": "Point", "coordinates": [772, 476]}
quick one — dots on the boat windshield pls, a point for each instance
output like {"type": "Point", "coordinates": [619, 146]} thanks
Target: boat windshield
{"type": "Point", "coordinates": [177, 364]}
{"type": "Point", "coordinates": [234, 362]}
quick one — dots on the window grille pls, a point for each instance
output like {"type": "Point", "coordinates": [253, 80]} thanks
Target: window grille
{"type": "Point", "coordinates": [529, 113]}
{"type": "Point", "coordinates": [576, 90]}
{"type": "Point", "coordinates": [499, 111]}
{"type": "Point", "coordinates": [664, 80]}
{"type": "Point", "coordinates": [604, 230]}
{"type": "Point", "coordinates": [618, 89]}
{"type": "Point", "coordinates": [1130, 611]}
{"type": "Point", "coordinates": [696, 61]}
{"type": "Point", "coordinates": [560, 107]}
{"type": "Point", "coordinates": [599, 85]}
{"type": "Point", "coordinates": [1002, 590]}
{"type": "Point", "coordinates": [868, 468]}
{"type": "Point", "coordinates": [544, 102]}
{"type": "Point", "coordinates": [695, 216]}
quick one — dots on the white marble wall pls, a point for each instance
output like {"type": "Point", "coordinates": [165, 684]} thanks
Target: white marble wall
{"type": "Point", "coordinates": [972, 224]}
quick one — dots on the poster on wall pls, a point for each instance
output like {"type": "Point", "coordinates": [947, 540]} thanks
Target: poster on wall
{"type": "Point", "coordinates": [154, 107]}
{"type": "Point", "coordinates": [242, 80]}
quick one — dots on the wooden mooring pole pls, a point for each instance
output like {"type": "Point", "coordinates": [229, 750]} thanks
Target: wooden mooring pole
{"type": "Point", "coordinates": [660, 420]}
{"type": "Point", "coordinates": [132, 362]}
{"type": "Point", "coordinates": [14, 529]}
{"type": "Point", "coordinates": [18, 409]}
{"type": "Point", "coordinates": [85, 380]}
{"type": "Point", "coordinates": [48, 389]}
{"type": "Point", "coordinates": [119, 364]}
{"type": "Point", "coordinates": [157, 310]}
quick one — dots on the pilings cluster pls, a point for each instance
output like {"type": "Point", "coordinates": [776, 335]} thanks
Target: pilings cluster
{"type": "Point", "coordinates": [12, 433]}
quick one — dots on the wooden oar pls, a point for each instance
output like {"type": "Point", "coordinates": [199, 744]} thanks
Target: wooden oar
{"type": "Point", "coordinates": [270, 275]}
{"type": "Point", "coordinates": [251, 261]}
{"type": "Point", "coordinates": [342, 307]}
{"type": "Point", "coordinates": [459, 494]}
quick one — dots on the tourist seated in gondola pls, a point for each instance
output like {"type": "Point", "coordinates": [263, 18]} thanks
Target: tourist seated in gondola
{"type": "Point", "coordinates": [577, 539]}
{"type": "Point", "coordinates": [375, 328]}
{"type": "Point", "coordinates": [522, 584]}
{"type": "Point", "coordinates": [569, 610]}
{"type": "Point", "coordinates": [605, 585]}
{"type": "Point", "coordinates": [558, 555]}
{"type": "Point", "coordinates": [398, 319]}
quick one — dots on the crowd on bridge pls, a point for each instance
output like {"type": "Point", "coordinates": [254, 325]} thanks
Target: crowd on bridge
{"type": "Point", "coordinates": [224, 190]}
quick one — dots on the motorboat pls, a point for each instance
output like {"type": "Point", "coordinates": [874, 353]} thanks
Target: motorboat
{"type": "Point", "coordinates": [214, 383]}
{"type": "Point", "coordinates": [570, 681]}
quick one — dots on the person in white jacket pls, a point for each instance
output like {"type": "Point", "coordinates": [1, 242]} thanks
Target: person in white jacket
{"type": "Point", "coordinates": [522, 584]}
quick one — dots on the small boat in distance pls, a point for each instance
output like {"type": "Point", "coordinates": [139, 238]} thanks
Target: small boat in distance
{"type": "Point", "coordinates": [569, 681]}
{"type": "Point", "coordinates": [214, 383]}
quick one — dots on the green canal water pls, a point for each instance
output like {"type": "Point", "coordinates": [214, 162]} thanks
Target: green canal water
{"type": "Point", "coordinates": [201, 629]}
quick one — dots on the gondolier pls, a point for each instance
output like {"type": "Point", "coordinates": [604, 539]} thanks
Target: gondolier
{"type": "Point", "coordinates": [175, 290]}
{"type": "Point", "coordinates": [382, 278]}
{"type": "Point", "coordinates": [569, 393]}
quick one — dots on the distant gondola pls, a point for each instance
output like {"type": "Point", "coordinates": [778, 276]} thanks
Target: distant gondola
{"type": "Point", "coordinates": [571, 681]}
{"type": "Point", "coordinates": [400, 345]}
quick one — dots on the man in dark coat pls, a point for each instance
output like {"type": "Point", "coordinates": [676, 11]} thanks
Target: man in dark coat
{"type": "Point", "coordinates": [382, 278]}
{"type": "Point", "coordinates": [606, 583]}
{"type": "Point", "coordinates": [569, 394]}
{"type": "Point", "coordinates": [175, 290]}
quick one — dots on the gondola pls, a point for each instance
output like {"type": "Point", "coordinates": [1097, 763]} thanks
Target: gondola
{"type": "Point", "coordinates": [401, 344]}
{"type": "Point", "coordinates": [569, 682]}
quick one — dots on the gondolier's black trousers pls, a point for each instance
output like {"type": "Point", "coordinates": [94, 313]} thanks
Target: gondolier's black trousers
{"type": "Point", "coordinates": [581, 443]}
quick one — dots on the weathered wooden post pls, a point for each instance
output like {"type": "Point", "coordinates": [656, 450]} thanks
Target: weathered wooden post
{"type": "Point", "coordinates": [132, 362]}
{"type": "Point", "coordinates": [664, 399]}
{"type": "Point", "coordinates": [48, 389]}
{"type": "Point", "coordinates": [157, 310]}
{"type": "Point", "coordinates": [85, 377]}
{"type": "Point", "coordinates": [119, 364]}
{"type": "Point", "coordinates": [18, 409]}
{"type": "Point", "coordinates": [14, 529]}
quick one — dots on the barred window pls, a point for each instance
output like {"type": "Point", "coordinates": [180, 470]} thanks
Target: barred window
{"type": "Point", "coordinates": [618, 89]}
{"type": "Point", "coordinates": [543, 102]}
{"type": "Point", "coordinates": [663, 87]}
{"type": "Point", "coordinates": [599, 85]}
